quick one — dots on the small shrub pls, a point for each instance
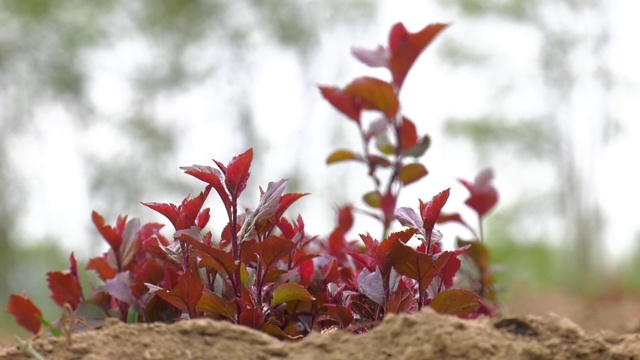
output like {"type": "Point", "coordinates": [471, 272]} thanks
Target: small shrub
{"type": "Point", "coordinates": [263, 270]}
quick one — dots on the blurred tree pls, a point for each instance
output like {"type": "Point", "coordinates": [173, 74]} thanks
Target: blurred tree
{"type": "Point", "coordinates": [567, 33]}
{"type": "Point", "coordinates": [48, 55]}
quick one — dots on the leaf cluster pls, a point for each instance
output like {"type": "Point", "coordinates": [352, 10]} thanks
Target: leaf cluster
{"type": "Point", "coordinates": [262, 270]}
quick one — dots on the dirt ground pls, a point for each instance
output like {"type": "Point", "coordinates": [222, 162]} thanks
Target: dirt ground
{"type": "Point", "coordinates": [609, 329]}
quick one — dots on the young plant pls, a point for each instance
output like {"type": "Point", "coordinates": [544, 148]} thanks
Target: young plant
{"type": "Point", "coordinates": [391, 276]}
{"type": "Point", "coordinates": [262, 270]}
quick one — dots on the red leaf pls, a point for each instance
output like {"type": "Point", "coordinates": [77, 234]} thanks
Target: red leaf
{"type": "Point", "coordinates": [431, 210]}
{"type": "Point", "coordinates": [149, 272]}
{"type": "Point", "coordinates": [402, 301]}
{"type": "Point", "coordinates": [344, 103]}
{"type": "Point", "coordinates": [405, 48]}
{"type": "Point", "coordinates": [107, 232]}
{"type": "Point", "coordinates": [215, 258]}
{"type": "Point", "coordinates": [451, 267]}
{"type": "Point", "coordinates": [170, 211]}
{"type": "Point", "coordinates": [25, 312]}
{"type": "Point", "coordinates": [363, 261]}
{"type": "Point", "coordinates": [183, 216]}
{"type": "Point", "coordinates": [65, 286]}
{"type": "Point", "coordinates": [375, 161]}
{"type": "Point", "coordinates": [337, 244]}
{"type": "Point", "coordinates": [304, 263]}
{"type": "Point", "coordinates": [408, 134]}
{"type": "Point", "coordinates": [458, 302]}
{"type": "Point", "coordinates": [330, 272]}
{"type": "Point", "coordinates": [189, 210]}
{"type": "Point", "coordinates": [384, 256]}
{"type": "Point", "coordinates": [375, 94]}
{"type": "Point", "coordinates": [345, 218]}
{"type": "Point", "coordinates": [186, 294]}
{"type": "Point", "coordinates": [203, 218]}
{"type": "Point", "coordinates": [212, 177]}
{"type": "Point", "coordinates": [484, 196]}
{"type": "Point", "coordinates": [238, 172]}
{"type": "Point", "coordinates": [417, 265]}
{"type": "Point", "coordinates": [367, 260]}
{"type": "Point", "coordinates": [286, 228]}
{"type": "Point", "coordinates": [388, 205]}
{"type": "Point", "coordinates": [338, 314]}
{"type": "Point", "coordinates": [251, 317]}
{"type": "Point", "coordinates": [273, 249]}
{"type": "Point", "coordinates": [286, 200]}
{"type": "Point", "coordinates": [214, 304]}
{"type": "Point", "coordinates": [102, 268]}
{"type": "Point", "coordinates": [370, 243]}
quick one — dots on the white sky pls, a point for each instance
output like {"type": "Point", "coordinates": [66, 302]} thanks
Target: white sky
{"type": "Point", "coordinates": [59, 205]}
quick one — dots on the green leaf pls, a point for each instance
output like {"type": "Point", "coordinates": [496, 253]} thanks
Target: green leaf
{"type": "Point", "coordinates": [214, 304]}
{"type": "Point", "coordinates": [290, 292]}
{"type": "Point", "coordinates": [411, 173]}
{"type": "Point", "coordinates": [342, 155]}
{"type": "Point", "coordinates": [419, 149]}
{"type": "Point", "coordinates": [372, 199]}
{"type": "Point", "coordinates": [384, 145]}
{"type": "Point", "coordinates": [132, 316]}
{"type": "Point", "coordinates": [52, 329]}
{"type": "Point", "coordinates": [456, 302]}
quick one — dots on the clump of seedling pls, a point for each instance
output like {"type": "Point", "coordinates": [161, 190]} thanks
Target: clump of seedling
{"type": "Point", "coordinates": [262, 270]}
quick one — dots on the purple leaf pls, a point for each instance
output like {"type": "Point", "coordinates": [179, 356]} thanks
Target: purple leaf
{"type": "Point", "coordinates": [266, 209]}
{"type": "Point", "coordinates": [120, 287]}
{"type": "Point", "coordinates": [129, 241]}
{"type": "Point", "coordinates": [409, 218]}
{"type": "Point", "coordinates": [370, 284]}
{"type": "Point", "coordinates": [378, 57]}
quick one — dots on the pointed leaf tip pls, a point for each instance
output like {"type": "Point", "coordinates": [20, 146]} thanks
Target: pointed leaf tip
{"type": "Point", "coordinates": [238, 172]}
{"type": "Point", "coordinates": [346, 104]}
{"type": "Point", "coordinates": [25, 312]}
{"type": "Point", "coordinates": [405, 47]}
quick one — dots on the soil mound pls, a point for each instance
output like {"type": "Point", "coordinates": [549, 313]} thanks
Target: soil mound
{"type": "Point", "coordinates": [425, 335]}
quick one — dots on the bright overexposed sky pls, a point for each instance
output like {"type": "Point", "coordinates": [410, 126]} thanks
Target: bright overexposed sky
{"type": "Point", "coordinates": [288, 109]}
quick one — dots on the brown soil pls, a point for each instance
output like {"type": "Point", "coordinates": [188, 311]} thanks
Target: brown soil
{"type": "Point", "coordinates": [426, 335]}
{"type": "Point", "coordinates": [600, 328]}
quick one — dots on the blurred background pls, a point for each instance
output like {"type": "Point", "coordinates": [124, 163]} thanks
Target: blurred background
{"type": "Point", "coordinates": [102, 101]}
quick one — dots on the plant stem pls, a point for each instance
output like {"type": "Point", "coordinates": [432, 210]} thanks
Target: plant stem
{"type": "Point", "coordinates": [235, 247]}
